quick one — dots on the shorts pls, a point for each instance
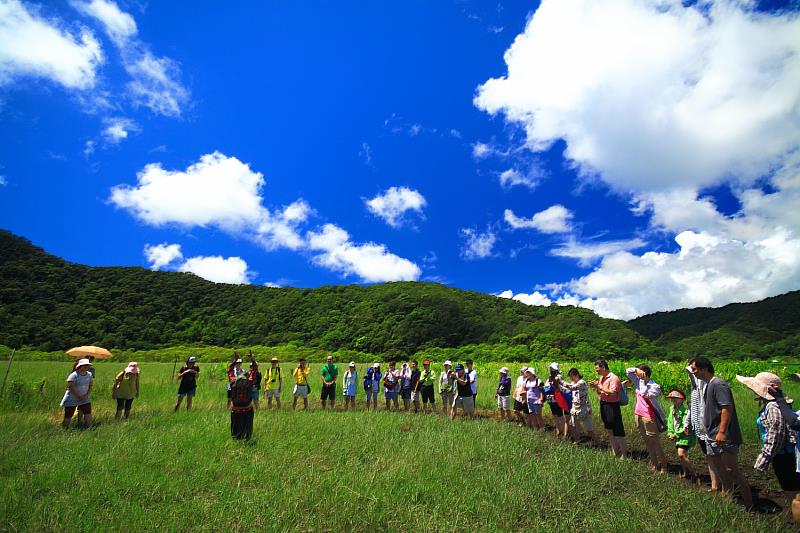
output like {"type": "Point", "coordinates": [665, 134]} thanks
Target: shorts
{"type": "Point", "coordinates": [405, 394]}
{"type": "Point", "coordinates": [373, 394]}
{"type": "Point", "coordinates": [254, 395]}
{"type": "Point", "coordinates": [646, 426]}
{"type": "Point", "coordinates": [427, 395]}
{"type": "Point", "coordinates": [85, 408]}
{"type": "Point", "coordinates": [272, 393]}
{"type": "Point", "coordinates": [328, 393]}
{"type": "Point", "coordinates": [414, 396]}
{"type": "Point", "coordinates": [556, 409]}
{"type": "Point", "coordinates": [520, 407]}
{"type": "Point", "coordinates": [503, 402]}
{"type": "Point", "coordinates": [581, 422]}
{"type": "Point", "coordinates": [784, 465]}
{"type": "Point", "coordinates": [124, 404]}
{"type": "Point", "coordinates": [390, 394]}
{"type": "Point", "coordinates": [611, 414]}
{"type": "Point", "coordinates": [467, 403]}
{"type": "Point", "coordinates": [190, 393]}
{"type": "Point", "coordinates": [534, 408]}
{"type": "Point", "coordinates": [713, 449]}
{"type": "Point", "coordinates": [300, 390]}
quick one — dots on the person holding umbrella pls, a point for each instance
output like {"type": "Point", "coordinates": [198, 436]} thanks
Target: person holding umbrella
{"type": "Point", "coordinates": [89, 353]}
{"type": "Point", "coordinates": [79, 386]}
{"type": "Point", "coordinates": [125, 389]}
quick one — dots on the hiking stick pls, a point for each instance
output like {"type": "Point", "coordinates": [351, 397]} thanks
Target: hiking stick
{"type": "Point", "coordinates": [8, 368]}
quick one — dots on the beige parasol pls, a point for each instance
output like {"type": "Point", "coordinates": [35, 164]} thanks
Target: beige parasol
{"type": "Point", "coordinates": [86, 351]}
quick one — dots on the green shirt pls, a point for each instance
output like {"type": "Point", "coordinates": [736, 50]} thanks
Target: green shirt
{"type": "Point", "coordinates": [329, 372]}
{"type": "Point", "coordinates": [127, 386]}
{"type": "Point", "coordinates": [426, 379]}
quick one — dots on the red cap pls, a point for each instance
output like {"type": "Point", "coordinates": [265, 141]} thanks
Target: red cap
{"type": "Point", "coordinates": [426, 362]}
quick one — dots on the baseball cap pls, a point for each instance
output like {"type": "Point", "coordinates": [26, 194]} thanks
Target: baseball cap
{"type": "Point", "coordinates": [192, 359]}
{"type": "Point", "coordinates": [448, 363]}
{"type": "Point", "coordinates": [238, 361]}
{"type": "Point", "coordinates": [459, 367]}
{"type": "Point", "coordinates": [554, 366]}
{"type": "Point", "coordinates": [352, 363]}
{"type": "Point", "coordinates": [504, 370]}
{"type": "Point", "coordinates": [376, 365]}
{"type": "Point", "coordinates": [426, 362]}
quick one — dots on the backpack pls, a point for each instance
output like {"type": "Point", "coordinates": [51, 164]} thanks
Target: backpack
{"type": "Point", "coordinates": [623, 395]}
{"type": "Point", "coordinates": [390, 385]}
{"type": "Point", "coordinates": [241, 389]}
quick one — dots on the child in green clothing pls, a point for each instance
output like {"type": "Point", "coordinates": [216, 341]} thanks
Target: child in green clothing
{"type": "Point", "coordinates": [679, 430]}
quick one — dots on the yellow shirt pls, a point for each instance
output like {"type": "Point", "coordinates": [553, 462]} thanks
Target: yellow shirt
{"type": "Point", "coordinates": [300, 376]}
{"type": "Point", "coordinates": [271, 378]}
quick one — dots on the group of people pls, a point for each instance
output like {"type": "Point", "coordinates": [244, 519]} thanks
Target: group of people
{"type": "Point", "coordinates": [709, 420]}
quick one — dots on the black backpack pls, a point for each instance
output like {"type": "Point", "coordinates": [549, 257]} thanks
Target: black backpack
{"type": "Point", "coordinates": [241, 390]}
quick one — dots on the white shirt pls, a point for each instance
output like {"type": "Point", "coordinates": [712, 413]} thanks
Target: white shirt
{"type": "Point", "coordinates": [473, 381]}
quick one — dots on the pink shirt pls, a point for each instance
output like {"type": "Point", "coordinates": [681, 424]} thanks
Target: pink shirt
{"type": "Point", "coordinates": [611, 381]}
{"type": "Point", "coordinates": [642, 407]}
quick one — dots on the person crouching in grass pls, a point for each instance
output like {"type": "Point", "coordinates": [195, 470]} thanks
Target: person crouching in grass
{"type": "Point", "coordinates": [242, 407]}
{"type": "Point", "coordinates": [503, 395]}
{"type": "Point", "coordinates": [464, 395]}
{"type": "Point", "coordinates": [79, 385]}
{"type": "Point", "coordinates": [580, 415]}
{"type": "Point", "coordinates": [125, 389]}
{"type": "Point", "coordinates": [679, 431]}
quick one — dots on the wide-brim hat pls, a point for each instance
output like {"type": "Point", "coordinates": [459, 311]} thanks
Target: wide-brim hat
{"type": "Point", "coordinates": [504, 370]}
{"type": "Point", "coordinates": [760, 383]}
{"type": "Point", "coordinates": [132, 368]}
{"type": "Point", "coordinates": [274, 360]}
{"type": "Point", "coordinates": [82, 362]}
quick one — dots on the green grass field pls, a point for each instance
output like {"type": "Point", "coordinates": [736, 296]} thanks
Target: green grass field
{"type": "Point", "coordinates": [325, 471]}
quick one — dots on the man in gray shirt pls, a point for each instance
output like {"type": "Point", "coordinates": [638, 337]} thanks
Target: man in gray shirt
{"type": "Point", "coordinates": [723, 436]}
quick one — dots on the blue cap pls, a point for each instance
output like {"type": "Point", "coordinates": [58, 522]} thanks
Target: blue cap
{"type": "Point", "coordinates": [459, 367]}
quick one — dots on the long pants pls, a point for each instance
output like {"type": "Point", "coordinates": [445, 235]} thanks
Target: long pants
{"type": "Point", "coordinates": [242, 425]}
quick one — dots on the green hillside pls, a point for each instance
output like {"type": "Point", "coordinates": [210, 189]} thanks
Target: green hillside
{"type": "Point", "coordinates": [768, 328]}
{"type": "Point", "coordinates": [49, 304]}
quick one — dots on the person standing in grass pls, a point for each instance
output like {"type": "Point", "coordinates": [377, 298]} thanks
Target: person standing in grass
{"type": "Point", "coordinates": [241, 408]}
{"type": "Point", "coordinates": [646, 411]}
{"type": "Point", "coordinates": [273, 384]}
{"type": "Point", "coordinates": [301, 386]}
{"type": "Point", "coordinates": [234, 371]}
{"type": "Point", "coordinates": [446, 387]}
{"type": "Point", "coordinates": [679, 431]}
{"type": "Point", "coordinates": [329, 374]}
{"type": "Point", "coordinates": [125, 389]}
{"type": "Point", "coordinates": [89, 358]}
{"type": "Point", "coordinates": [77, 396]}
{"type": "Point", "coordinates": [390, 385]}
{"type": "Point", "coordinates": [697, 405]}
{"type": "Point", "coordinates": [520, 398]}
{"type": "Point", "coordinates": [551, 388]}
{"type": "Point", "coordinates": [473, 380]}
{"type": "Point", "coordinates": [255, 378]}
{"type": "Point", "coordinates": [350, 386]}
{"type": "Point", "coordinates": [608, 388]}
{"type": "Point", "coordinates": [722, 429]}
{"type": "Point", "coordinates": [188, 385]}
{"type": "Point", "coordinates": [465, 398]}
{"type": "Point", "coordinates": [580, 415]}
{"type": "Point", "coordinates": [415, 376]}
{"type": "Point", "coordinates": [778, 438]}
{"type": "Point", "coordinates": [372, 385]}
{"type": "Point", "coordinates": [503, 395]}
{"type": "Point", "coordinates": [534, 398]}
{"type": "Point", "coordinates": [405, 386]}
{"type": "Point", "coordinates": [425, 387]}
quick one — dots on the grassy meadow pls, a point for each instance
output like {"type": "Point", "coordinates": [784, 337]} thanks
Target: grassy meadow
{"type": "Point", "coordinates": [327, 471]}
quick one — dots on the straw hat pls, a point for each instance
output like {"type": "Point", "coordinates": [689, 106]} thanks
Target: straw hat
{"type": "Point", "coordinates": [760, 383]}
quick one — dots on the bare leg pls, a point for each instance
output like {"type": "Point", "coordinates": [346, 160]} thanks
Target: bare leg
{"type": "Point", "coordinates": [188, 402]}
{"type": "Point", "coordinates": [178, 404]}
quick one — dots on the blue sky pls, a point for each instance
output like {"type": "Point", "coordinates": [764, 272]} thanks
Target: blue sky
{"type": "Point", "coordinates": [624, 156]}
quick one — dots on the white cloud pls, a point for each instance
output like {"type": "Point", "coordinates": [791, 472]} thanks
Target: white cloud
{"type": "Point", "coordinates": [117, 129]}
{"type": "Point", "coordinates": [481, 150]}
{"type": "Point", "coordinates": [162, 255]}
{"type": "Point", "coordinates": [587, 253]}
{"type": "Point", "coordinates": [88, 148]}
{"type": "Point", "coordinates": [554, 219]}
{"type": "Point", "coordinates": [119, 25]}
{"type": "Point", "coordinates": [272, 285]}
{"type": "Point", "coordinates": [372, 262]}
{"type": "Point", "coordinates": [538, 298]}
{"type": "Point", "coordinates": [155, 84]}
{"type": "Point", "coordinates": [512, 177]}
{"type": "Point", "coordinates": [3, 181]}
{"type": "Point", "coordinates": [392, 205]}
{"type": "Point", "coordinates": [477, 245]}
{"type": "Point", "coordinates": [32, 46]}
{"type": "Point", "coordinates": [231, 270]}
{"type": "Point", "coordinates": [653, 94]}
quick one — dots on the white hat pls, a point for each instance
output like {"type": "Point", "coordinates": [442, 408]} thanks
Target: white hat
{"type": "Point", "coordinates": [554, 366]}
{"type": "Point", "coordinates": [352, 363]}
{"type": "Point", "coordinates": [504, 370]}
{"type": "Point", "coordinates": [761, 383]}
{"type": "Point", "coordinates": [531, 369]}
{"type": "Point", "coordinates": [192, 359]}
{"type": "Point", "coordinates": [448, 363]}
{"type": "Point", "coordinates": [523, 369]}
{"type": "Point", "coordinates": [376, 365]}
{"type": "Point", "coordinates": [238, 361]}
{"type": "Point", "coordinates": [83, 362]}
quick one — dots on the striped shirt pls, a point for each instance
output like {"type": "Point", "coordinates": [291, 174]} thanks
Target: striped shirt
{"type": "Point", "coordinates": [776, 436]}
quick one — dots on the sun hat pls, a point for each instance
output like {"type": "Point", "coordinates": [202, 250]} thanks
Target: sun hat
{"type": "Point", "coordinates": [132, 368]}
{"type": "Point", "coordinates": [83, 362]}
{"type": "Point", "coordinates": [675, 393]}
{"type": "Point", "coordinates": [448, 363]}
{"type": "Point", "coordinates": [425, 362]}
{"type": "Point", "coordinates": [554, 366]}
{"type": "Point", "coordinates": [238, 361]}
{"type": "Point", "coordinates": [459, 367]}
{"type": "Point", "coordinates": [376, 365]}
{"type": "Point", "coordinates": [504, 370]}
{"type": "Point", "coordinates": [274, 360]}
{"type": "Point", "coordinates": [192, 359]}
{"type": "Point", "coordinates": [530, 370]}
{"type": "Point", "coordinates": [352, 363]}
{"type": "Point", "coordinates": [760, 383]}
{"type": "Point", "coordinates": [523, 369]}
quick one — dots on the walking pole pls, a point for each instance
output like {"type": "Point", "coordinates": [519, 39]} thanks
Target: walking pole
{"type": "Point", "coordinates": [8, 368]}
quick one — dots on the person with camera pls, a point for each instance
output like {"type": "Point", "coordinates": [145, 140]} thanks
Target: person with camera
{"type": "Point", "coordinates": [551, 388]}
{"type": "Point", "coordinates": [446, 387]}
{"type": "Point", "coordinates": [425, 387]}
{"type": "Point", "coordinates": [465, 398]}
{"type": "Point", "coordinates": [473, 380]}
{"type": "Point", "coordinates": [391, 382]}
{"type": "Point", "coordinates": [372, 385]}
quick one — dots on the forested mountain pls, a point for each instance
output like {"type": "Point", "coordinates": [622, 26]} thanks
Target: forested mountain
{"type": "Point", "coordinates": [767, 328]}
{"type": "Point", "coordinates": [49, 304]}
